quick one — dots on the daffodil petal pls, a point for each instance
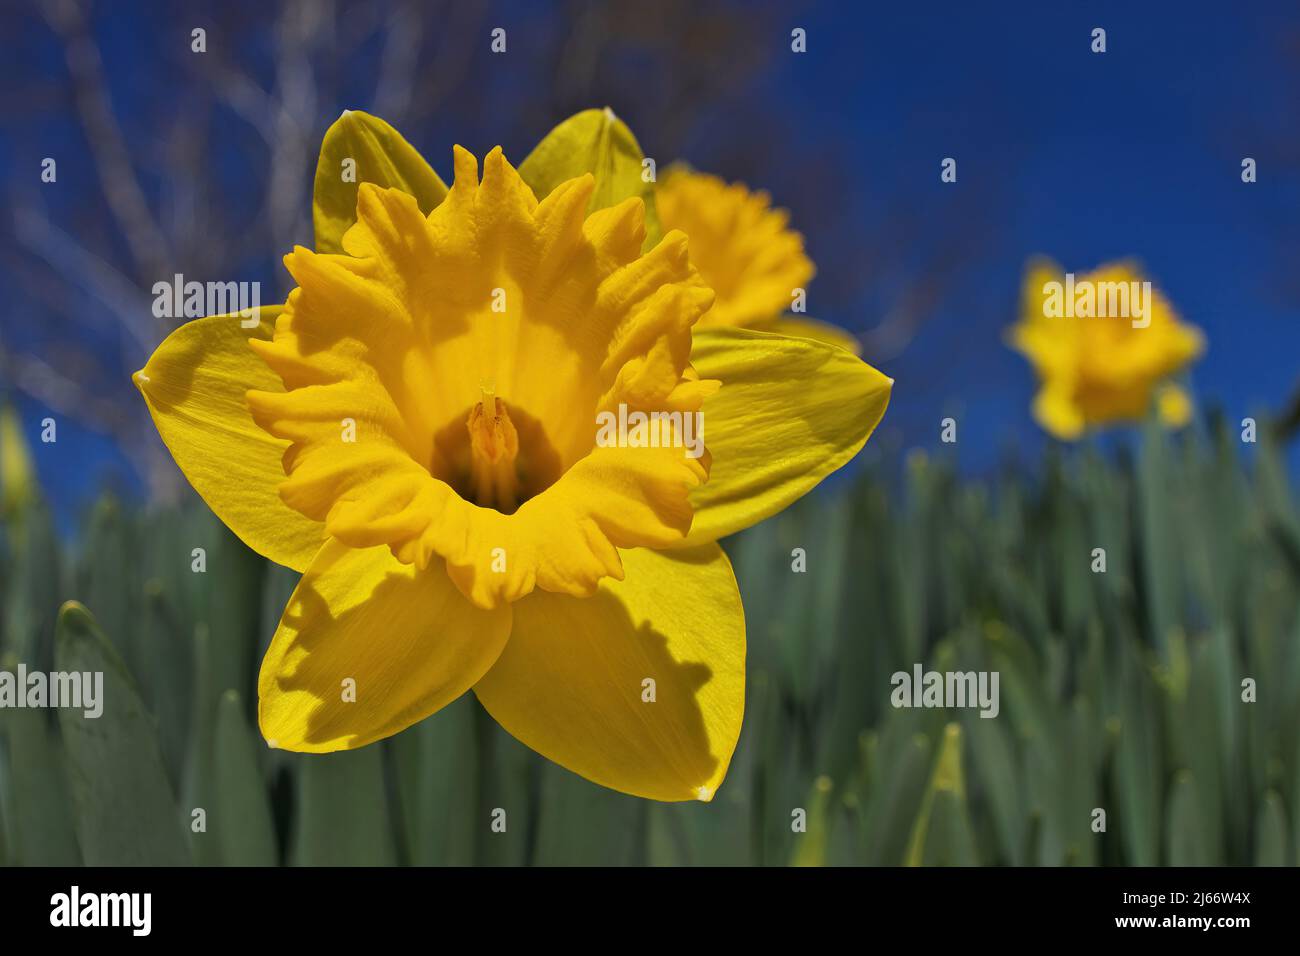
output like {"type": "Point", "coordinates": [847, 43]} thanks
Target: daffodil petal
{"type": "Point", "coordinates": [599, 143]}
{"type": "Point", "coordinates": [640, 688]}
{"type": "Point", "coordinates": [564, 540]}
{"type": "Point", "coordinates": [194, 385]}
{"type": "Point", "coordinates": [790, 411]}
{"type": "Point", "coordinates": [804, 328]}
{"type": "Point", "coordinates": [1057, 411]}
{"type": "Point", "coordinates": [360, 148]}
{"type": "Point", "coordinates": [368, 646]}
{"type": "Point", "coordinates": [744, 248]}
{"type": "Point", "coordinates": [1174, 405]}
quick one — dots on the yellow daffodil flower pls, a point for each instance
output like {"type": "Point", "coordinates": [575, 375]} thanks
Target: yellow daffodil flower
{"type": "Point", "coordinates": [746, 253]}
{"type": "Point", "coordinates": [415, 430]}
{"type": "Point", "coordinates": [17, 475]}
{"type": "Point", "coordinates": [1104, 346]}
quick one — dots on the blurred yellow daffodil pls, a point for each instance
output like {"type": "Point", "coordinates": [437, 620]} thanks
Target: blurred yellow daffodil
{"type": "Point", "coordinates": [416, 431]}
{"type": "Point", "coordinates": [1104, 347]}
{"type": "Point", "coordinates": [746, 253]}
{"type": "Point", "coordinates": [17, 475]}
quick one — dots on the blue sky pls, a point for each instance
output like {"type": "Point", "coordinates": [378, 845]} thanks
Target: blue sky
{"type": "Point", "coordinates": [1132, 153]}
{"type": "Point", "coordinates": [1084, 157]}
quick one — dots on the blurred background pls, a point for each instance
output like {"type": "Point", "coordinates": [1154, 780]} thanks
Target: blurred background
{"type": "Point", "coordinates": [1120, 691]}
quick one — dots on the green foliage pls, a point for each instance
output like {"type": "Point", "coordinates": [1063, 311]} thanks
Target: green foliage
{"type": "Point", "coordinates": [1120, 691]}
{"type": "Point", "coordinates": [122, 804]}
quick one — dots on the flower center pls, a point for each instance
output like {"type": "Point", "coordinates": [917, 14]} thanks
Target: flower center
{"type": "Point", "coordinates": [493, 448]}
{"type": "Point", "coordinates": [495, 455]}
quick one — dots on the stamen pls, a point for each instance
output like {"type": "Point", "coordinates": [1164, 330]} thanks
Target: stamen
{"type": "Point", "coordinates": [494, 447]}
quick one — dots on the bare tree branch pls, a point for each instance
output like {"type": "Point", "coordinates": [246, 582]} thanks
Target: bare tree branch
{"type": "Point", "coordinates": [404, 33]}
{"type": "Point", "coordinates": [70, 259]}
{"type": "Point", "coordinates": [116, 174]}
